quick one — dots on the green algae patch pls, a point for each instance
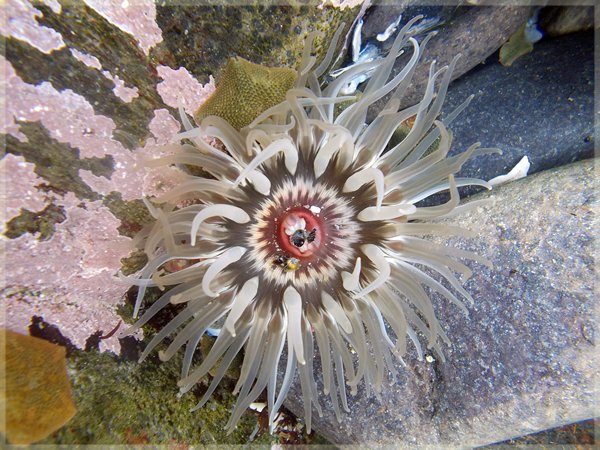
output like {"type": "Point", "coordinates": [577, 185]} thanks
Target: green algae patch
{"type": "Point", "coordinates": [133, 214]}
{"type": "Point", "coordinates": [56, 162]}
{"type": "Point", "coordinates": [123, 402]}
{"type": "Point", "coordinates": [233, 371]}
{"type": "Point", "coordinates": [134, 262]}
{"type": "Point", "coordinates": [41, 222]}
{"type": "Point", "coordinates": [202, 427]}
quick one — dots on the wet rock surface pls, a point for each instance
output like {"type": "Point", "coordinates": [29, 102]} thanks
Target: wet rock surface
{"type": "Point", "coordinates": [535, 107]}
{"type": "Point", "coordinates": [558, 20]}
{"type": "Point", "coordinates": [474, 32]}
{"type": "Point", "coordinates": [203, 37]}
{"type": "Point", "coordinates": [525, 359]}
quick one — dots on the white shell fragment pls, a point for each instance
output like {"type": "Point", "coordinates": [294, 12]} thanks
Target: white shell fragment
{"type": "Point", "coordinates": [517, 172]}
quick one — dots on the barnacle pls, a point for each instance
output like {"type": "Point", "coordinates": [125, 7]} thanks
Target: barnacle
{"type": "Point", "coordinates": [311, 232]}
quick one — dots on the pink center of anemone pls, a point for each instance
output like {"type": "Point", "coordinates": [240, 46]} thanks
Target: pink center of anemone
{"type": "Point", "coordinates": [300, 232]}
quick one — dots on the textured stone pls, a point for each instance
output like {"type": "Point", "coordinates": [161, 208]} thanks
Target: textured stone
{"type": "Point", "coordinates": [202, 36]}
{"type": "Point", "coordinates": [66, 98]}
{"type": "Point", "coordinates": [525, 359]}
{"type": "Point", "coordinates": [558, 20]}
{"type": "Point", "coordinates": [80, 137]}
{"type": "Point", "coordinates": [535, 107]}
{"type": "Point", "coordinates": [473, 32]}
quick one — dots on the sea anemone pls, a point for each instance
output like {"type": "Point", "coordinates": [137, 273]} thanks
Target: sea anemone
{"type": "Point", "coordinates": [310, 229]}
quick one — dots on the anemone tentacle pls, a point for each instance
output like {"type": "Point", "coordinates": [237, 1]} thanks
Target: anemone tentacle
{"type": "Point", "coordinates": [310, 233]}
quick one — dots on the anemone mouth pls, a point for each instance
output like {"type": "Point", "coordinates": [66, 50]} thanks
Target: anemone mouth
{"type": "Point", "coordinates": [303, 234]}
{"type": "Point", "coordinates": [309, 234]}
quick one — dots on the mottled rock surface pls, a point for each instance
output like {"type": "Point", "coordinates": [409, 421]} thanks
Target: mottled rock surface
{"type": "Point", "coordinates": [475, 32]}
{"type": "Point", "coordinates": [558, 20]}
{"type": "Point", "coordinates": [525, 358]}
{"type": "Point", "coordinates": [535, 107]}
{"type": "Point", "coordinates": [93, 89]}
{"type": "Point", "coordinates": [202, 36]}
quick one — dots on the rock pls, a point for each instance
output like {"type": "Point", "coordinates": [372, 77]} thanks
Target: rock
{"type": "Point", "coordinates": [94, 91]}
{"type": "Point", "coordinates": [525, 359]}
{"type": "Point", "coordinates": [474, 32]}
{"type": "Point", "coordinates": [203, 37]}
{"type": "Point", "coordinates": [379, 16]}
{"type": "Point", "coordinates": [559, 20]}
{"type": "Point", "coordinates": [534, 108]}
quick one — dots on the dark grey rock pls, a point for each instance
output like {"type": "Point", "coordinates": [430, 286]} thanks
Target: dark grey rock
{"type": "Point", "coordinates": [542, 106]}
{"type": "Point", "coordinates": [558, 20]}
{"type": "Point", "coordinates": [378, 16]}
{"type": "Point", "coordinates": [473, 31]}
{"type": "Point", "coordinates": [525, 359]}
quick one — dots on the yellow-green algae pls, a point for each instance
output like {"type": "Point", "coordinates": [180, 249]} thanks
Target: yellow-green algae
{"type": "Point", "coordinates": [516, 46]}
{"type": "Point", "coordinates": [35, 392]}
{"type": "Point", "coordinates": [124, 402]}
{"type": "Point", "coordinates": [41, 222]}
{"type": "Point", "coordinates": [133, 214]}
{"type": "Point", "coordinates": [245, 90]}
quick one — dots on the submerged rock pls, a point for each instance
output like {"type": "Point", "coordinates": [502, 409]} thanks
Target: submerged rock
{"type": "Point", "coordinates": [536, 107]}
{"type": "Point", "coordinates": [473, 31]}
{"type": "Point", "coordinates": [524, 360]}
{"type": "Point", "coordinates": [74, 144]}
{"type": "Point", "coordinates": [94, 92]}
{"type": "Point", "coordinates": [559, 20]}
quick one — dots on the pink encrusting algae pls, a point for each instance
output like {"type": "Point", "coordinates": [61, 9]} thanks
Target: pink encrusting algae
{"type": "Point", "coordinates": [19, 21]}
{"type": "Point", "coordinates": [68, 279]}
{"type": "Point", "coordinates": [181, 81]}
{"type": "Point", "coordinates": [120, 90]}
{"type": "Point", "coordinates": [136, 17]}
{"type": "Point", "coordinates": [21, 193]}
